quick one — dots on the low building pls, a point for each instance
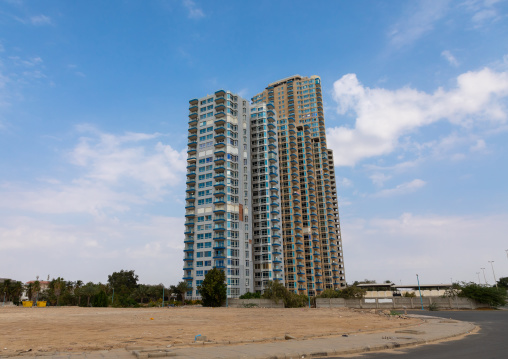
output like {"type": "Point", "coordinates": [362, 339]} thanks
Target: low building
{"type": "Point", "coordinates": [386, 290]}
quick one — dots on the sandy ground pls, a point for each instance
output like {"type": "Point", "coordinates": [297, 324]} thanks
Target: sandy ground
{"type": "Point", "coordinates": [87, 329]}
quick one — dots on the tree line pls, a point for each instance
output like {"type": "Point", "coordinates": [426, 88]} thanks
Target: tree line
{"type": "Point", "coordinates": [121, 290]}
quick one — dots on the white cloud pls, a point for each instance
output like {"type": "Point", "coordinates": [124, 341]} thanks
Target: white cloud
{"type": "Point", "coordinates": [418, 20]}
{"type": "Point", "coordinates": [401, 189]}
{"type": "Point", "coordinates": [344, 182]}
{"type": "Point", "coordinates": [450, 58]}
{"type": "Point", "coordinates": [100, 219]}
{"type": "Point", "coordinates": [40, 20]}
{"type": "Point", "coordinates": [115, 172]}
{"type": "Point", "coordinates": [436, 247]}
{"type": "Point", "coordinates": [479, 146]}
{"type": "Point", "coordinates": [379, 178]}
{"type": "Point", "coordinates": [111, 158]}
{"type": "Point", "coordinates": [92, 250]}
{"type": "Point", "coordinates": [484, 11]}
{"type": "Point", "coordinates": [383, 116]}
{"type": "Point", "coordinates": [195, 12]}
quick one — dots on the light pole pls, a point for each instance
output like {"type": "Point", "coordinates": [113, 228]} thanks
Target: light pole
{"type": "Point", "coordinates": [4, 299]}
{"type": "Point", "coordinates": [485, 278]}
{"type": "Point", "coordinates": [419, 290]}
{"type": "Point", "coordinates": [495, 280]}
{"type": "Point", "coordinates": [478, 274]}
{"type": "Point", "coordinates": [506, 250]}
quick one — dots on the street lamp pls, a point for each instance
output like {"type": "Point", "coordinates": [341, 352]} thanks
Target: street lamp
{"type": "Point", "coordinates": [483, 269]}
{"type": "Point", "coordinates": [495, 280]}
{"type": "Point", "coordinates": [478, 274]}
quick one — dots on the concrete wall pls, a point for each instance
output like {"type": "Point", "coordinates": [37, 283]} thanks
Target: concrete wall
{"type": "Point", "coordinates": [399, 303]}
{"type": "Point", "coordinates": [389, 293]}
{"type": "Point", "coordinates": [261, 303]}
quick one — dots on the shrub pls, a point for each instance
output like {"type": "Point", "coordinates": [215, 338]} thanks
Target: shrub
{"type": "Point", "coordinates": [250, 295]}
{"type": "Point", "coordinates": [100, 300]}
{"type": "Point", "coordinates": [492, 296]}
{"type": "Point", "coordinates": [329, 293]}
{"type": "Point", "coordinates": [250, 305]}
{"type": "Point", "coordinates": [352, 292]}
{"type": "Point", "coordinates": [433, 307]}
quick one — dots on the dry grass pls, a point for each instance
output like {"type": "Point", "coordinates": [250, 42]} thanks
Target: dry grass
{"type": "Point", "coordinates": [88, 329]}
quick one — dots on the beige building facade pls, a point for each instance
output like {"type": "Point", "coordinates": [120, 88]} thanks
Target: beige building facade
{"type": "Point", "coordinates": [311, 235]}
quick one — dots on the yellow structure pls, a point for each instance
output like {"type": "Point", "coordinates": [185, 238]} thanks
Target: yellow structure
{"type": "Point", "coordinates": [28, 303]}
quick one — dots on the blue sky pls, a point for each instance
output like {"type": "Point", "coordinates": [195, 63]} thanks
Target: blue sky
{"type": "Point", "coordinates": [93, 127]}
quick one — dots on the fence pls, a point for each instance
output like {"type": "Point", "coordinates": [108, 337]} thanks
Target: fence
{"type": "Point", "coordinates": [399, 303]}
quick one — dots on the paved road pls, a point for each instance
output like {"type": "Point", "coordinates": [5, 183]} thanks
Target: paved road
{"type": "Point", "coordinates": [491, 342]}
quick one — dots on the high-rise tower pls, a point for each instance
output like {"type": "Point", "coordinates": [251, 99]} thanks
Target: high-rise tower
{"type": "Point", "coordinates": [218, 224]}
{"type": "Point", "coordinates": [261, 198]}
{"type": "Point", "coordinates": [312, 241]}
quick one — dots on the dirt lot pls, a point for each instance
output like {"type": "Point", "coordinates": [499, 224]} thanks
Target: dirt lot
{"type": "Point", "coordinates": [88, 329]}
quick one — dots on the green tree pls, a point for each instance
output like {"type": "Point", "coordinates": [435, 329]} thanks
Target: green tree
{"type": "Point", "coordinates": [123, 283]}
{"type": "Point", "coordinates": [180, 289]}
{"type": "Point", "coordinates": [100, 299]}
{"type": "Point", "coordinates": [276, 291]}
{"type": "Point", "coordinates": [503, 282]}
{"type": "Point", "coordinates": [141, 292]}
{"type": "Point", "coordinates": [352, 292]}
{"type": "Point", "coordinates": [6, 290]}
{"type": "Point", "coordinates": [492, 296]}
{"type": "Point", "coordinates": [57, 286]}
{"type": "Point", "coordinates": [77, 290]}
{"type": "Point", "coordinates": [16, 291]}
{"type": "Point", "coordinates": [123, 278]}
{"type": "Point", "coordinates": [213, 290]}
{"type": "Point", "coordinates": [330, 293]}
{"type": "Point", "coordinates": [89, 290]}
{"type": "Point", "coordinates": [36, 288]}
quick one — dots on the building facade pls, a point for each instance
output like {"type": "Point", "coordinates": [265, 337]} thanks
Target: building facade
{"type": "Point", "coordinates": [217, 226]}
{"type": "Point", "coordinates": [261, 197]}
{"type": "Point", "coordinates": [310, 215]}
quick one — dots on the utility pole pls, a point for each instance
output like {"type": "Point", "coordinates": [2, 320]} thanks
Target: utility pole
{"type": "Point", "coordinates": [485, 278]}
{"type": "Point", "coordinates": [419, 290]}
{"type": "Point", "coordinates": [492, 265]}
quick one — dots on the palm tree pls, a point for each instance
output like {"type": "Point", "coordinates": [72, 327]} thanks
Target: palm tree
{"type": "Point", "coordinates": [181, 289]}
{"type": "Point", "coordinates": [88, 291]}
{"type": "Point", "coordinates": [36, 288]}
{"type": "Point", "coordinates": [17, 290]}
{"type": "Point", "coordinates": [77, 290]}
{"type": "Point", "coordinates": [141, 292]}
{"type": "Point", "coordinates": [58, 285]}
{"type": "Point", "coordinates": [7, 289]}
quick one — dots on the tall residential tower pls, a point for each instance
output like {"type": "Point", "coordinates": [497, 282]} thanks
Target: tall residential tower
{"type": "Point", "coordinates": [261, 195]}
{"type": "Point", "coordinates": [310, 215]}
